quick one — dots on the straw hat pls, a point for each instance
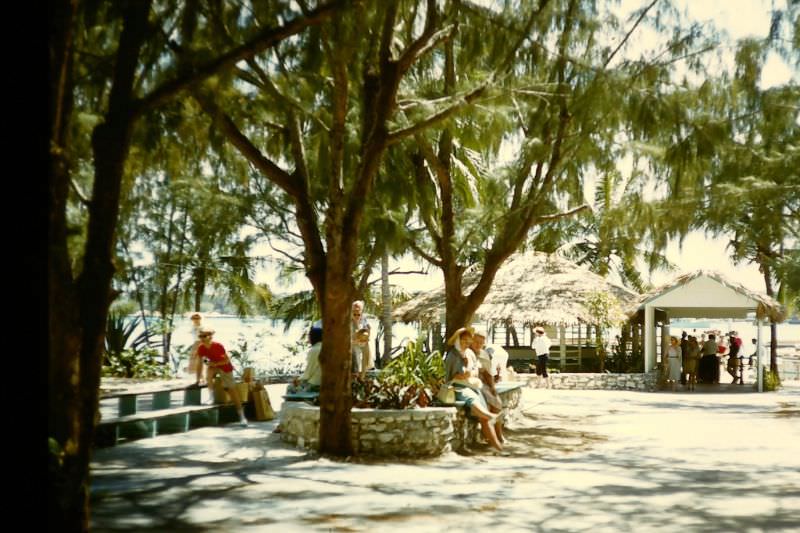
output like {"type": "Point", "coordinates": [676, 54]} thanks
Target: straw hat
{"type": "Point", "coordinates": [538, 329]}
{"type": "Point", "coordinates": [454, 337]}
{"type": "Point", "coordinates": [206, 329]}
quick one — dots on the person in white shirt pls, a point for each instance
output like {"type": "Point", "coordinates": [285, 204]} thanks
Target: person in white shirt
{"type": "Point", "coordinates": [541, 348]}
{"type": "Point", "coordinates": [195, 363]}
{"type": "Point", "coordinates": [492, 358]}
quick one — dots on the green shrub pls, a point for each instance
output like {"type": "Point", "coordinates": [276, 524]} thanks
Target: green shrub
{"type": "Point", "coordinates": [134, 363]}
{"type": "Point", "coordinates": [127, 356]}
{"type": "Point", "coordinates": [409, 380]}
{"type": "Point", "coordinates": [772, 380]}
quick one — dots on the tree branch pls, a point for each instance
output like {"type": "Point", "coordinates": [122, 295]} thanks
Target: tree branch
{"type": "Point", "coordinates": [629, 33]}
{"type": "Point", "coordinates": [277, 175]}
{"type": "Point", "coordinates": [423, 43]}
{"type": "Point", "coordinates": [462, 101]}
{"type": "Point", "coordinates": [82, 196]}
{"type": "Point", "coordinates": [426, 256]}
{"type": "Point", "coordinates": [265, 39]}
{"type": "Point", "coordinates": [564, 214]}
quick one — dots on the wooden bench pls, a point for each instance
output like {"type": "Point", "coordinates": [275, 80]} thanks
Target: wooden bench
{"type": "Point", "coordinates": [147, 424]}
{"type": "Point", "coordinates": [309, 397]}
{"type": "Point", "coordinates": [131, 424]}
{"type": "Point", "coordinates": [162, 398]}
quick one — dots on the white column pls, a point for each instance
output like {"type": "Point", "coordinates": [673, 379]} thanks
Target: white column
{"type": "Point", "coordinates": [649, 338]}
{"type": "Point", "coordinates": [760, 364]}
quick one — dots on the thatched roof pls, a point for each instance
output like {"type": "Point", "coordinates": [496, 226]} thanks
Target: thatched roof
{"type": "Point", "coordinates": [533, 287]}
{"type": "Point", "coordinates": [711, 305]}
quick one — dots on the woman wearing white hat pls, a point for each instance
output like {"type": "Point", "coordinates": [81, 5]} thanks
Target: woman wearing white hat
{"type": "Point", "coordinates": [461, 370]}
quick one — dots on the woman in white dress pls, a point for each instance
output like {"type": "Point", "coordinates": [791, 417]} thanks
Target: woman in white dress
{"type": "Point", "coordinates": [675, 361]}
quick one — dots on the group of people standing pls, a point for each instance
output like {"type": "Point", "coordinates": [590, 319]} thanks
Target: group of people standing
{"type": "Point", "coordinates": [690, 361]}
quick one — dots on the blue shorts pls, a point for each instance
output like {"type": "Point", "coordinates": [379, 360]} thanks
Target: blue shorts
{"type": "Point", "coordinates": [470, 396]}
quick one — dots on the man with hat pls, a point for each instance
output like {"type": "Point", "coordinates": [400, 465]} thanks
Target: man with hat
{"type": "Point", "coordinates": [541, 348]}
{"type": "Point", "coordinates": [477, 346]}
{"type": "Point", "coordinates": [491, 358]}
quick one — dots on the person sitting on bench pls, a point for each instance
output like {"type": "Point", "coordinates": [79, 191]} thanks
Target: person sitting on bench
{"type": "Point", "coordinates": [219, 365]}
{"type": "Point", "coordinates": [461, 370]}
{"type": "Point", "coordinates": [312, 376]}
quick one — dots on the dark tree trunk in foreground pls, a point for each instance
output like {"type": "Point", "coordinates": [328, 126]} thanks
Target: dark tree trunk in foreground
{"type": "Point", "coordinates": [79, 307]}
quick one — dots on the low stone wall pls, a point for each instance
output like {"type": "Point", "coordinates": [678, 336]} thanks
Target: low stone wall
{"type": "Point", "coordinates": [394, 432]}
{"type": "Point", "coordinates": [377, 432]}
{"type": "Point", "coordinates": [434, 430]}
{"type": "Point", "coordinates": [585, 381]}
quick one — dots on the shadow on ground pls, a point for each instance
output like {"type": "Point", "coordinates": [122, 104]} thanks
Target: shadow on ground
{"type": "Point", "coordinates": [576, 462]}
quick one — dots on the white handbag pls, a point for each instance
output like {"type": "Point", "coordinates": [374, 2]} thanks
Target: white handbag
{"type": "Point", "coordinates": [446, 394]}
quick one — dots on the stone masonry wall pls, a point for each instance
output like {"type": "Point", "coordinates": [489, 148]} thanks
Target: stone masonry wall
{"type": "Point", "coordinates": [377, 432]}
{"type": "Point", "coordinates": [433, 430]}
{"type": "Point", "coordinates": [393, 432]}
{"type": "Point", "coordinates": [585, 381]}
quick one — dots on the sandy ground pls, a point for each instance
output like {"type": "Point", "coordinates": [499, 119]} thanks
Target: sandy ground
{"type": "Point", "coordinates": [579, 461]}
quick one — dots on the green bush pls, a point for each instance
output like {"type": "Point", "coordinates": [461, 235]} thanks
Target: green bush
{"type": "Point", "coordinates": [134, 363]}
{"type": "Point", "coordinates": [409, 380]}
{"type": "Point", "coordinates": [127, 356]}
{"type": "Point", "coordinates": [772, 380]}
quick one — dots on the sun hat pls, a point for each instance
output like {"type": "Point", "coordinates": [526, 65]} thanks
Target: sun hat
{"type": "Point", "coordinates": [206, 329]}
{"type": "Point", "coordinates": [454, 337]}
{"type": "Point", "coordinates": [479, 331]}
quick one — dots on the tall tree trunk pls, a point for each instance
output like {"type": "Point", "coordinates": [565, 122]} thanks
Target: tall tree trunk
{"type": "Point", "coordinates": [78, 316]}
{"type": "Point", "coordinates": [386, 304]}
{"type": "Point", "coordinates": [177, 288]}
{"type": "Point", "coordinates": [163, 300]}
{"type": "Point", "coordinates": [65, 500]}
{"type": "Point", "coordinates": [773, 327]}
{"type": "Point", "coordinates": [335, 359]}
{"type": "Point", "coordinates": [199, 275]}
{"type": "Point", "coordinates": [138, 295]}
{"type": "Point", "coordinates": [601, 348]}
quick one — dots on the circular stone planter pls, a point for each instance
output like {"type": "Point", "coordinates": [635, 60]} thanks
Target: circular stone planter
{"type": "Point", "coordinates": [377, 432]}
{"type": "Point", "coordinates": [425, 432]}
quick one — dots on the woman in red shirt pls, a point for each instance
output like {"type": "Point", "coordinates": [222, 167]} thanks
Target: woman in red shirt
{"type": "Point", "coordinates": [219, 365]}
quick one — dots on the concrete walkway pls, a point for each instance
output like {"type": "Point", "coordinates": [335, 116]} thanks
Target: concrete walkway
{"type": "Point", "coordinates": [579, 461]}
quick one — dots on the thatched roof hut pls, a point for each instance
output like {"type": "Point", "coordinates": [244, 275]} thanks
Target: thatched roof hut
{"type": "Point", "coordinates": [533, 288]}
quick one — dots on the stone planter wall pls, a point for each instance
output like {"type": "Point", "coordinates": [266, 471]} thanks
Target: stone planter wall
{"type": "Point", "coordinates": [377, 432]}
{"type": "Point", "coordinates": [433, 430]}
{"type": "Point", "coordinates": [393, 432]}
{"type": "Point", "coordinates": [585, 381]}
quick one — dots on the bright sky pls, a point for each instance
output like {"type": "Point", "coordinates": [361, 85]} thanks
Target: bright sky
{"type": "Point", "coordinates": [740, 18]}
